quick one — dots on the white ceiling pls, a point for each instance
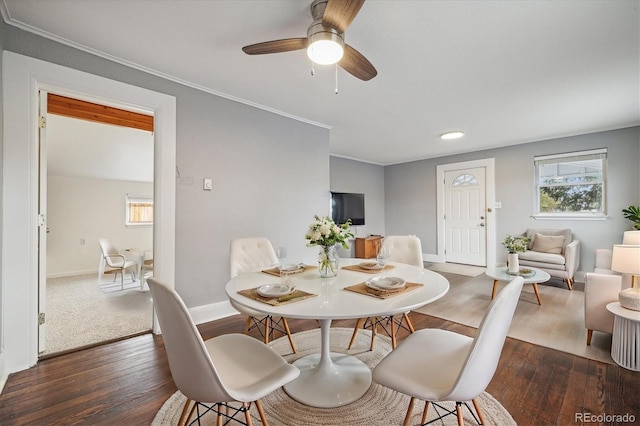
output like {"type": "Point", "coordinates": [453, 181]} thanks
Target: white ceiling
{"type": "Point", "coordinates": [82, 148]}
{"type": "Point", "coordinates": [505, 72]}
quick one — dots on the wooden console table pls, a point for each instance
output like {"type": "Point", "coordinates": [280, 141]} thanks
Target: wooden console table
{"type": "Point", "coordinates": [367, 248]}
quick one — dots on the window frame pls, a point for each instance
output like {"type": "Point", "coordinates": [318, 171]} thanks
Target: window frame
{"type": "Point", "coordinates": [137, 198]}
{"type": "Point", "coordinates": [566, 158]}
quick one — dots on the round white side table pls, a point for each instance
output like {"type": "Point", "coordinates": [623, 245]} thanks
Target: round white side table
{"type": "Point", "coordinates": [625, 345]}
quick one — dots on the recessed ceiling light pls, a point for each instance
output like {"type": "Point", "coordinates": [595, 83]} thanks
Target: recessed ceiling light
{"type": "Point", "coordinates": [452, 135]}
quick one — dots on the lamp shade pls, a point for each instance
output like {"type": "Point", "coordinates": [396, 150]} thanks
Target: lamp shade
{"type": "Point", "coordinates": [626, 259]}
{"type": "Point", "coordinates": [631, 238]}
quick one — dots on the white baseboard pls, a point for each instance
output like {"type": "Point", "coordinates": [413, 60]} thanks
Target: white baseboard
{"type": "Point", "coordinates": [431, 258]}
{"type": "Point", "coordinates": [73, 273]}
{"type": "Point", "coordinates": [212, 312]}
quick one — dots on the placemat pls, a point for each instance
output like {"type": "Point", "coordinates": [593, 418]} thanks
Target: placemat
{"type": "Point", "coordinates": [275, 271]}
{"type": "Point", "coordinates": [296, 296]}
{"type": "Point", "coordinates": [382, 294]}
{"type": "Point", "coordinates": [357, 268]}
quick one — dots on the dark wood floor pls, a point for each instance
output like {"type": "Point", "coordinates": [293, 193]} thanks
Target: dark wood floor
{"type": "Point", "coordinates": [127, 382]}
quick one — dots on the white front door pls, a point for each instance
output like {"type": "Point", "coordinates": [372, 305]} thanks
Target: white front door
{"type": "Point", "coordinates": [465, 223]}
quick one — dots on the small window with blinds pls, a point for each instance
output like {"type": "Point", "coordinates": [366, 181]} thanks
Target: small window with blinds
{"type": "Point", "coordinates": [139, 210]}
{"type": "Point", "coordinates": [571, 185]}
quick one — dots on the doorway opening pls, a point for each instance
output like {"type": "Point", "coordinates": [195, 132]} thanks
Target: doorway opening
{"type": "Point", "coordinates": [94, 157]}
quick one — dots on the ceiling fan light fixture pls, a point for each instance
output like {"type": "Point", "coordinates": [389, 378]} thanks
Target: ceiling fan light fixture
{"type": "Point", "coordinates": [457, 134]}
{"type": "Point", "coordinates": [326, 45]}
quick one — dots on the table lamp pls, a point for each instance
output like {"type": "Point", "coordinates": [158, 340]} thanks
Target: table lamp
{"type": "Point", "coordinates": [631, 238]}
{"type": "Point", "coordinates": [626, 260]}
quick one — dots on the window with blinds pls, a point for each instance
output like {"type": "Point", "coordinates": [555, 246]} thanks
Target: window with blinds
{"type": "Point", "coordinates": [571, 185]}
{"type": "Point", "coordinates": [139, 210]}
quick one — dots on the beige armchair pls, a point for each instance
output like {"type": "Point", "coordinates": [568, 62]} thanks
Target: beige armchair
{"type": "Point", "coordinates": [599, 290]}
{"type": "Point", "coordinates": [554, 251]}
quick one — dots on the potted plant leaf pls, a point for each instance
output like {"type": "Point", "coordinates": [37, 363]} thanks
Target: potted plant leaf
{"type": "Point", "coordinates": [633, 214]}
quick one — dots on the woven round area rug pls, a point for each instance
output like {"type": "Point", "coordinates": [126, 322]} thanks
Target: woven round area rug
{"type": "Point", "coordinates": [380, 406]}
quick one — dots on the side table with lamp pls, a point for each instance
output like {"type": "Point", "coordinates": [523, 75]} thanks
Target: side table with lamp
{"type": "Point", "coordinates": [625, 345]}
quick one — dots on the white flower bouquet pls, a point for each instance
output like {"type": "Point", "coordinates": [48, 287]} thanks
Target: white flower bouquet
{"type": "Point", "coordinates": [325, 233]}
{"type": "Point", "coordinates": [516, 244]}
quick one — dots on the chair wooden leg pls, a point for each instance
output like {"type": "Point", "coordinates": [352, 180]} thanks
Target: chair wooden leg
{"type": "Point", "coordinates": [479, 411]}
{"type": "Point", "coordinates": [392, 324]}
{"type": "Point", "coordinates": [355, 332]}
{"type": "Point", "coordinates": [267, 329]}
{"type": "Point", "coordinates": [407, 418]}
{"type": "Point", "coordinates": [247, 413]}
{"type": "Point", "coordinates": [409, 323]}
{"type": "Point", "coordinates": [286, 327]}
{"type": "Point", "coordinates": [495, 286]}
{"type": "Point", "coordinates": [424, 412]}
{"type": "Point", "coordinates": [589, 335]}
{"type": "Point", "coordinates": [247, 324]}
{"type": "Point", "coordinates": [459, 414]}
{"type": "Point", "coordinates": [183, 420]}
{"type": "Point", "coordinates": [219, 416]}
{"type": "Point", "coordinates": [374, 330]}
{"type": "Point", "coordinates": [263, 418]}
{"type": "Point", "coordinates": [569, 283]}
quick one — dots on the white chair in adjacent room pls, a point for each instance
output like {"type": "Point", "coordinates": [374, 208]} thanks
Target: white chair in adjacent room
{"type": "Point", "coordinates": [402, 249]}
{"type": "Point", "coordinates": [437, 365]}
{"type": "Point", "coordinates": [114, 259]}
{"type": "Point", "coordinates": [212, 373]}
{"type": "Point", "coordinates": [252, 255]}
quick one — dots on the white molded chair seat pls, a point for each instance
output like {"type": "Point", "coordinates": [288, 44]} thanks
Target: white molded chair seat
{"type": "Point", "coordinates": [402, 249]}
{"type": "Point", "coordinates": [436, 365]}
{"type": "Point", "coordinates": [212, 373]}
{"type": "Point", "coordinates": [252, 255]}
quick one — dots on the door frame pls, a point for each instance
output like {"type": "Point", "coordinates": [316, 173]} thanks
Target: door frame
{"type": "Point", "coordinates": [490, 193]}
{"type": "Point", "coordinates": [23, 78]}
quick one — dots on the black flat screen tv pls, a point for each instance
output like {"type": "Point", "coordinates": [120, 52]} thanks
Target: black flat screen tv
{"type": "Point", "coordinates": [345, 205]}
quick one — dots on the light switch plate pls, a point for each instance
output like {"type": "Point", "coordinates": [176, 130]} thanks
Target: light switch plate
{"type": "Point", "coordinates": [207, 184]}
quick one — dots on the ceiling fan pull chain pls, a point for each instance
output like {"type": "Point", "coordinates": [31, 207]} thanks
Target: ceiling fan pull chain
{"type": "Point", "coordinates": [313, 71]}
{"type": "Point", "coordinates": [336, 78]}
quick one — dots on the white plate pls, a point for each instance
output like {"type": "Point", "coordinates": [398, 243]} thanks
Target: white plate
{"type": "Point", "coordinates": [274, 290]}
{"type": "Point", "coordinates": [291, 267]}
{"type": "Point", "coordinates": [370, 265]}
{"type": "Point", "coordinates": [385, 283]}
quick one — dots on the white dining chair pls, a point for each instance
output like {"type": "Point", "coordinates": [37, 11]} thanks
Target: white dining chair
{"type": "Point", "coordinates": [252, 255]}
{"type": "Point", "coordinates": [402, 249]}
{"type": "Point", "coordinates": [213, 373]}
{"type": "Point", "coordinates": [437, 365]}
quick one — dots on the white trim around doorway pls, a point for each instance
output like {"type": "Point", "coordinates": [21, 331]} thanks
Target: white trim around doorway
{"type": "Point", "coordinates": [23, 77]}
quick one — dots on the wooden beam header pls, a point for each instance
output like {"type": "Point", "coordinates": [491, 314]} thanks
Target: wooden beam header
{"type": "Point", "coordinates": [84, 110]}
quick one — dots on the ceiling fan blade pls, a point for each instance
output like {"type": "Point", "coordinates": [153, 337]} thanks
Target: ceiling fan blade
{"type": "Point", "coordinates": [340, 13]}
{"type": "Point", "coordinates": [356, 64]}
{"type": "Point", "coordinates": [276, 46]}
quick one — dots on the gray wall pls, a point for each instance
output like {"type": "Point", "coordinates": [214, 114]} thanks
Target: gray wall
{"type": "Point", "coordinates": [260, 184]}
{"type": "Point", "coordinates": [357, 176]}
{"type": "Point", "coordinates": [411, 204]}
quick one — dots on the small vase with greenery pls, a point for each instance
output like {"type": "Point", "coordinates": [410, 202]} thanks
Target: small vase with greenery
{"type": "Point", "coordinates": [633, 214]}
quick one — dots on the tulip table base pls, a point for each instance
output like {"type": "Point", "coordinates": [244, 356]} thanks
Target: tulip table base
{"type": "Point", "coordinates": [329, 379]}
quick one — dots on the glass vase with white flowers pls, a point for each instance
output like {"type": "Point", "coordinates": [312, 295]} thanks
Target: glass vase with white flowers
{"type": "Point", "coordinates": [326, 234]}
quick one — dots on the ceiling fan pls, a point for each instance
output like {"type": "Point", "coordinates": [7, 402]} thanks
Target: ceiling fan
{"type": "Point", "coordinates": [325, 39]}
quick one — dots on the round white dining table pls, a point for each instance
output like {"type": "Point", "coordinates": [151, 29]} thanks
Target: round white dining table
{"type": "Point", "coordinates": [328, 379]}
